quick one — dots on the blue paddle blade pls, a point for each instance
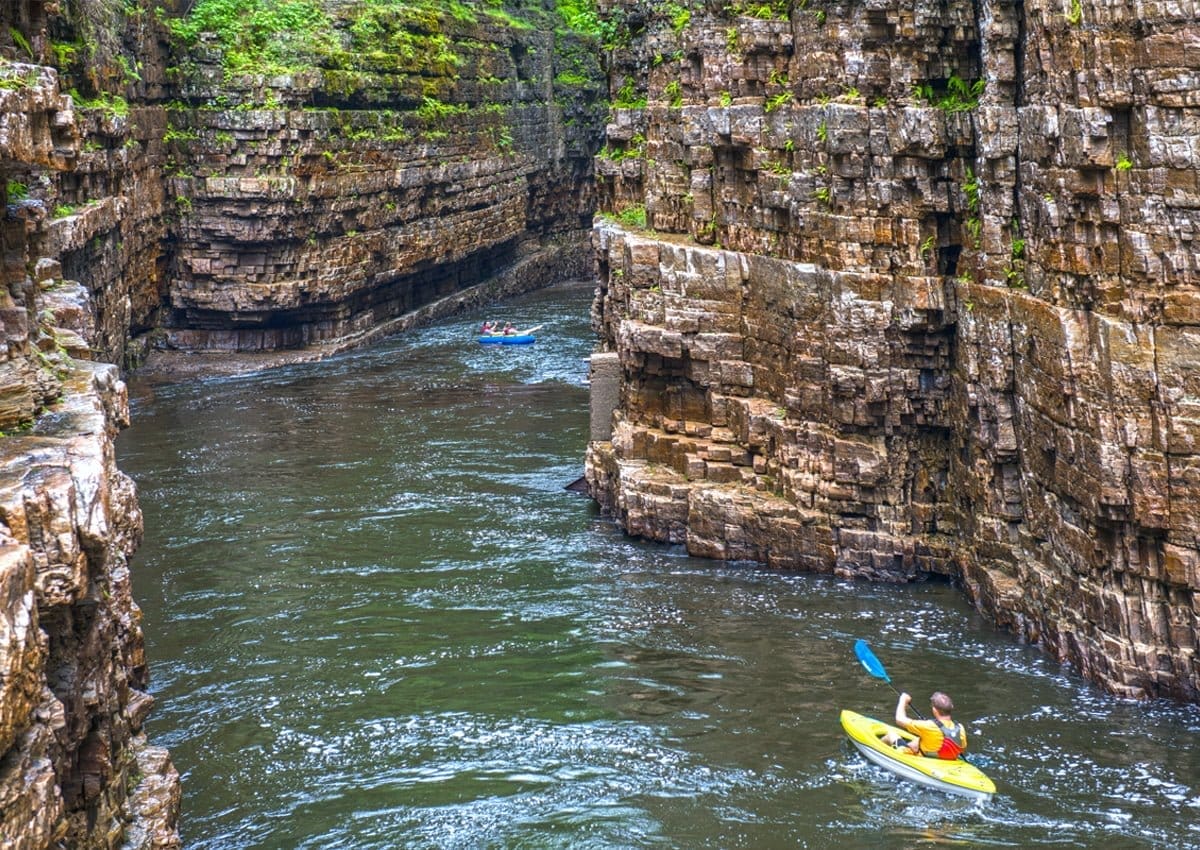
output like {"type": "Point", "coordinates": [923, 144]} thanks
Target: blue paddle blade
{"type": "Point", "coordinates": [869, 662]}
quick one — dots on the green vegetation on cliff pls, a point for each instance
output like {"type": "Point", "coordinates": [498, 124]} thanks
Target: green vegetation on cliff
{"type": "Point", "coordinates": [273, 36]}
{"type": "Point", "coordinates": [583, 16]}
{"type": "Point", "coordinates": [259, 35]}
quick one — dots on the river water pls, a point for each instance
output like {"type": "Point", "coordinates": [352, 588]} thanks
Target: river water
{"type": "Point", "coordinates": [376, 619]}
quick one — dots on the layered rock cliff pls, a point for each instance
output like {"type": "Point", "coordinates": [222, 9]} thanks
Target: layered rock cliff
{"type": "Point", "coordinates": [403, 154]}
{"type": "Point", "coordinates": [894, 289]}
{"type": "Point", "coordinates": [907, 289]}
{"type": "Point", "coordinates": [81, 230]}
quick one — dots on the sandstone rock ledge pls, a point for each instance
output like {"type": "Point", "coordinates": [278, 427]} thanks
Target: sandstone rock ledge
{"type": "Point", "coordinates": [74, 767]}
{"type": "Point", "coordinates": [950, 315]}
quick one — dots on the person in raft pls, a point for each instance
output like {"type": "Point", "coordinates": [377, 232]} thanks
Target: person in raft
{"type": "Point", "coordinates": [939, 738]}
{"type": "Point", "coordinates": [509, 330]}
{"type": "Point", "coordinates": [486, 329]}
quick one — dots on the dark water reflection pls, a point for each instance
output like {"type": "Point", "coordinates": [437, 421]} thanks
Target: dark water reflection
{"type": "Point", "coordinates": [376, 620]}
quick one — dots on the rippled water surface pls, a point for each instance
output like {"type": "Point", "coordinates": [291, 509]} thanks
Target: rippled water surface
{"type": "Point", "coordinates": [375, 619]}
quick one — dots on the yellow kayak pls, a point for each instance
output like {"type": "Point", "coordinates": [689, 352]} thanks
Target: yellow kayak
{"type": "Point", "coordinates": [953, 777]}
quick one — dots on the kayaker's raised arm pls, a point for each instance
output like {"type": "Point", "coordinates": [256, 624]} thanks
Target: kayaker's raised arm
{"type": "Point", "coordinates": [940, 737]}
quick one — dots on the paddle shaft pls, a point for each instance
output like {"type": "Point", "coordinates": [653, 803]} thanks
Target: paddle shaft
{"type": "Point", "coordinates": [920, 716]}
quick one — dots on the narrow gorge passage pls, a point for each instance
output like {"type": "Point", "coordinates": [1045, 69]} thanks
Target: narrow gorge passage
{"type": "Point", "coordinates": [378, 620]}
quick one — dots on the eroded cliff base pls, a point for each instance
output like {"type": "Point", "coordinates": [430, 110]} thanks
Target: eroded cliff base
{"type": "Point", "coordinates": [537, 264]}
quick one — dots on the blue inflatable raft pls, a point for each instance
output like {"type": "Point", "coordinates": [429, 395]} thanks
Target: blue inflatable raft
{"type": "Point", "coordinates": [510, 339]}
{"type": "Point", "coordinates": [519, 338]}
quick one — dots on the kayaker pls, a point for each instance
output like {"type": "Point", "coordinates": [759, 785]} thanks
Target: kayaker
{"type": "Point", "coordinates": [939, 738]}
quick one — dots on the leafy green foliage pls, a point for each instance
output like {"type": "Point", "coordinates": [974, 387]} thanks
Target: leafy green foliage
{"type": "Point", "coordinates": [764, 11]}
{"type": "Point", "coordinates": [21, 41]}
{"type": "Point", "coordinates": [971, 190]}
{"type": "Point", "coordinates": [633, 150]}
{"type": "Point", "coordinates": [583, 16]}
{"type": "Point", "coordinates": [174, 134]}
{"type": "Point", "coordinates": [434, 111]}
{"type": "Point", "coordinates": [627, 97]}
{"type": "Point", "coordinates": [777, 100]}
{"type": "Point", "coordinates": [64, 53]}
{"type": "Point", "coordinates": [674, 93]}
{"type": "Point", "coordinates": [268, 37]}
{"type": "Point", "coordinates": [571, 78]}
{"type": "Point", "coordinates": [680, 16]}
{"type": "Point", "coordinates": [959, 95]}
{"type": "Point", "coordinates": [111, 105]}
{"type": "Point", "coordinates": [633, 216]}
{"type": "Point", "coordinates": [259, 36]}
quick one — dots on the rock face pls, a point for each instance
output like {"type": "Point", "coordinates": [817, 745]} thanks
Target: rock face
{"type": "Point", "coordinates": [75, 768]}
{"type": "Point", "coordinates": [413, 159]}
{"type": "Point", "coordinates": [919, 298]}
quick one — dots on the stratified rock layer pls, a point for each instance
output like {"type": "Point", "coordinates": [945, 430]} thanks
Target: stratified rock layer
{"type": "Point", "coordinates": [920, 298]}
{"type": "Point", "coordinates": [75, 768]}
{"type": "Point", "coordinates": [321, 208]}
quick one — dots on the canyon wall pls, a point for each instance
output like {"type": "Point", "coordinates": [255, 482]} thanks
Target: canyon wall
{"type": "Point", "coordinates": [902, 290]}
{"type": "Point", "coordinates": [416, 153]}
{"type": "Point", "coordinates": [162, 200]}
{"type": "Point", "coordinates": [79, 238]}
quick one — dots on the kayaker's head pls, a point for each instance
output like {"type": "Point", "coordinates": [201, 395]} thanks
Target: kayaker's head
{"type": "Point", "coordinates": [942, 704]}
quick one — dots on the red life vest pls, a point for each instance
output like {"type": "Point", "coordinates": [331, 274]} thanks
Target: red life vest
{"type": "Point", "coordinates": [951, 747]}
